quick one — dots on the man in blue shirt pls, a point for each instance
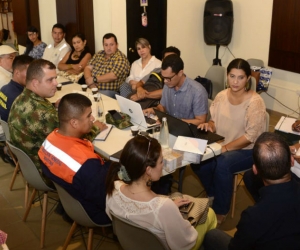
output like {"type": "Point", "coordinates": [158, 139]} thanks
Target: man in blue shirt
{"type": "Point", "coordinates": [182, 97]}
{"type": "Point", "coordinates": [14, 88]}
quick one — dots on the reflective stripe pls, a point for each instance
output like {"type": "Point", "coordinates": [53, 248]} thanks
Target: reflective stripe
{"type": "Point", "coordinates": [62, 156]}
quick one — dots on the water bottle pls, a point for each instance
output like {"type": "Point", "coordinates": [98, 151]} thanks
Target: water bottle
{"type": "Point", "coordinates": [164, 134]}
{"type": "Point", "coordinates": [100, 108]}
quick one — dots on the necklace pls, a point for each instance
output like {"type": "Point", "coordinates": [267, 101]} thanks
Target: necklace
{"type": "Point", "coordinates": [138, 191]}
{"type": "Point", "coordinates": [76, 54]}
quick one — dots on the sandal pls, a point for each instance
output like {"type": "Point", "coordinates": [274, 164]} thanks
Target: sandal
{"type": "Point", "coordinates": [221, 218]}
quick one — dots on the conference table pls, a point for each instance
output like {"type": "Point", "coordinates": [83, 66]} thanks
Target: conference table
{"type": "Point", "coordinates": [117, 138]}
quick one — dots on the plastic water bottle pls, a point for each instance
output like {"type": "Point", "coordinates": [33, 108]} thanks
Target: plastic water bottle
{"type": "Point", "coordinates": [100, 108]}
{"type": "Point", "coordinates": [164, 134]}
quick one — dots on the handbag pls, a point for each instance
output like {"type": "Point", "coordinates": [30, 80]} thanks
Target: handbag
{"type": "Point", "coordinates": [198, 213]}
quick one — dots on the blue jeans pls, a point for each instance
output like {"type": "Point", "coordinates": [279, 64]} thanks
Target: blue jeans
{"type": "Point", "coordinates": [110, 93]}
{"type": "Point", "coordinates": [216, 175]}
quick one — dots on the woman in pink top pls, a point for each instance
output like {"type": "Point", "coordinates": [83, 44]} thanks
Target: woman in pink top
{"type": "Point", "coordinates": [129, 195]}
{"type": "Point", "coordinates": [238, 114]}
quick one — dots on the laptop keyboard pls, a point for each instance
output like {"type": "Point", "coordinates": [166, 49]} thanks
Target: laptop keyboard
{"type": "Point", "coordinates": [150, 120]}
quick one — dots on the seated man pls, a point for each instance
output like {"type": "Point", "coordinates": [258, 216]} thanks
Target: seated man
{"type": "Point", "coordinates": [71, 162]}
{"type": "Point", "coordinates": [32, 117]}
{"type": "Point", "coordinates": [56, 51]}
{"type": "Point", "coordinates": [273, 222]}
{"type": "Point", "coordinates": [182, 97]}
{"type": "Point", "coordinates": [108, 68]}
{"type": "Point", "coordinates": [149, 90]}
{"type": "Point", "coordinates": [15, 87]}
{"type": "Point", "coordinates": [7, 55]}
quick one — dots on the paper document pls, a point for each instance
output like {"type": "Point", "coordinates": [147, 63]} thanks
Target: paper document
{"type": "Point", "coordinates": [285, 125]}
{"type": "Point", "coordinates": [189, 144]}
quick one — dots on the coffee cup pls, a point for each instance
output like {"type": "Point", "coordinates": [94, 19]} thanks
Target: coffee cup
{"type": "Point", "coordinates": [134, 130]}
{"type": "Point", "coordinates": [95, 90]}
{"type": "Point", "coordinates": [58, 86]}
{"type": "Point", "coordinates": [84, 87]}
{"type": "Point", "coordinates": [96, 96]}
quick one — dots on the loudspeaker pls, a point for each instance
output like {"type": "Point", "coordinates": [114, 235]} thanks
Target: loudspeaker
{"type": "Point", "coordinates": [218, 22]}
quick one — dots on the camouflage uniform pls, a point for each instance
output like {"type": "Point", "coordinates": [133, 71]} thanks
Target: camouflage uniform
{"type": "Point", "coordinates": [30, 120]}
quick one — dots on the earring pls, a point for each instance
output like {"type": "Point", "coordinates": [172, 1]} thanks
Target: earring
{"type": "Point", "coordinates": [247, 86]}
{"type": "Point", "coordinates": [149, 183]}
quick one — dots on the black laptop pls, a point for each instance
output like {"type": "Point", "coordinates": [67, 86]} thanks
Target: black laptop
{"type": "Point", "coordinates": [178, 127]}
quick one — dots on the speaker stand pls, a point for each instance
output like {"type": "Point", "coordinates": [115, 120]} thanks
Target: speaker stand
{"type": "Point", "coordinates": [217, 61]}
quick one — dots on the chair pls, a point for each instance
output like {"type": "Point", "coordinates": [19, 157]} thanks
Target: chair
{"type": "Point", "coordinates": [217, 75]}
{"type": "Point", "coordinates": [34, 179]}
{"type": "Point", "coordinates": [132, 236]}
{"type": "Point", "coordinates": [207, 84]}
{"type": "Point", "coordinates": [235, 179]}
{"type": "Point", "coordinates": [256, 62]}
{"type": "Point", "coordinates": [77, 213]}
{"type": "Point", "coordinates": [17, 167]}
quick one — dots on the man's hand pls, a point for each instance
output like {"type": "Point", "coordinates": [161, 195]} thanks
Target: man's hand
{"type": "Point", "coordinates": [100, 125]}
{"type": "Point", "coordinates": [141, 93]}
{"type": "Point", "coordinates": [89, 81]}
{"type": "Point", "coordinates": [148, 112]}
{"type": "Point", "coordinates": [134, 98]}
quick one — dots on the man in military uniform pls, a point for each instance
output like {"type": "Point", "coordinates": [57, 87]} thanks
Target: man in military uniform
{"type": "Point", "coordinates": [32, 117]}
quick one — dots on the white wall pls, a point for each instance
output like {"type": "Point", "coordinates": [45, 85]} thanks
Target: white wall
{"type": "Point", "coordinates": [251, 35]}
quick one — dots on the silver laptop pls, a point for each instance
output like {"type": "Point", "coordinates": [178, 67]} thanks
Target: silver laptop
{"type": "Point", "coordinates": [134, 110]}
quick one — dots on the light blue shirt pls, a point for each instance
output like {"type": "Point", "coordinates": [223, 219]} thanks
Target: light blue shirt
{"type": "Point", "coordinates": [187, 102]}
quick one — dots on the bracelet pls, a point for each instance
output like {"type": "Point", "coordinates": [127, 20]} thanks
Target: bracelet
{"type": "Point", "coordinates": [226, 148]}
{"type": "Point", "coordinates": [70, 66]}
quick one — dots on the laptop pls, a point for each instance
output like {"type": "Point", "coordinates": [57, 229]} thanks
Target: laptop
{"type": "Point", "coordinates": [178, 127]}
{"type": "Point", "coordinates": [134, 110]}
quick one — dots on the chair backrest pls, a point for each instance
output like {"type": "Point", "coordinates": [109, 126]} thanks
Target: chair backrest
{"type": "Point", "coordinates": [74, 208]}
{"type": "Point", "coordinates": [217, 75]}
{"type": "Point", "coordinates": [207, 84]}
{"type": "Point", "coordinates": [253, 84]}
{"type": "Point", "coordinates": [133, 236]}
{"type": "Point", "coordinates": [5, 129]}
{"type": "Point", "coordinates": [256, 62]}
{"type": "Point", "coordinates": [29, 170]}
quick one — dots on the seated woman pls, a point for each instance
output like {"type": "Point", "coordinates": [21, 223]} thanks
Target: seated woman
{"type": "Point", "coordinates": [34, 46]}
{"type": "Point", "coordinates": [129, 195]}
{"type": "Point", "coordinates": [238, 114]}
{"type": "Point", "coordinates": [75, 60]}
{"type": "Point", "coordinates": [140, 67]}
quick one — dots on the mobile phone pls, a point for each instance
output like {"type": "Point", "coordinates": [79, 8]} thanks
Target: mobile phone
{"type": "Point", "coordinates": [186, 208]}
{"type": "Point", "coordinates": [115, 114]}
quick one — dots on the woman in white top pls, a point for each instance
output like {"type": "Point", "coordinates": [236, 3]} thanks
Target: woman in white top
{"type": "Point", "coordinates": [140, 67]}
{"type": "Point", "coordinates": [129, 196]}
{"type": "Point", "coordinates": [238, 114]}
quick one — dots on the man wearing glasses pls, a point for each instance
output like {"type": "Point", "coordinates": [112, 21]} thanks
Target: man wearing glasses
{"type": "Point", "coordinates": [182, 97]}
{"type": "Point", "coordinates": [7, 55]}
{"type": "Point", "coordinates": [55, 51]}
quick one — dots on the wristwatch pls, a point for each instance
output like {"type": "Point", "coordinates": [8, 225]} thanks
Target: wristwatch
{"type": "Point", "coordinates": [95, 79]}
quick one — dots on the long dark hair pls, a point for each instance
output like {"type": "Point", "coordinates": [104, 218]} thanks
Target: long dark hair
{"type": "Point", "coordinates": [29, 43]}
{"type": "Point", "coordinates": [138, 153]}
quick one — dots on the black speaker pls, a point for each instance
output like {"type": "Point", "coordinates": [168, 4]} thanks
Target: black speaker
{"type": "Point", "coordinates": [218, 22]}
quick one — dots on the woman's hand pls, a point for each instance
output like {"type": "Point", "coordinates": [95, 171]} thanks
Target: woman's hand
{"type": "Point", "coordinates": [208, 126]}
{"type": "Point", "coordinates": [181, 201]}
{"type": "Point", "coordinates": [296, 126]}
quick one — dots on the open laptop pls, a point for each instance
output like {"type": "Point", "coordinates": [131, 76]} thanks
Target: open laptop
{"type": "Point", "coordinates": [178, 127]}
{"type": "Point", "coordinates": [134, 110]}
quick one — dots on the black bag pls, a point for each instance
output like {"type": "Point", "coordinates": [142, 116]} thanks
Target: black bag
{"type": "Point", "coordinates": [207, 84]}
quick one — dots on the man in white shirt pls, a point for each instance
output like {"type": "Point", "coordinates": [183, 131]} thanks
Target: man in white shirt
{"type": "Point", "coordinates": [55, 51]}
{"type": "Point", "coordinates": [7, 55]}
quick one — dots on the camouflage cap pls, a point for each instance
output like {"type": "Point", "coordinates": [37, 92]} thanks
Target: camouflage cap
{"type": "Point", "coordinates": [122, 123]}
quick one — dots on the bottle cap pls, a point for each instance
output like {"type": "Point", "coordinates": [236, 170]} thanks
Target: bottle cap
{"type": "Point", "coordinates": [164, 119]}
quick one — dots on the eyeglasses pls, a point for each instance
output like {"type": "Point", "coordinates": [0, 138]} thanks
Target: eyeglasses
{"type": "Point", "coordinates": [145, 134]}
{"type": "Point", "coordinates": [168, 79]}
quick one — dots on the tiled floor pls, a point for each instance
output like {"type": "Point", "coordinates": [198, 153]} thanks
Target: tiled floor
{"type": "Point", "coordinates": [26, 235]}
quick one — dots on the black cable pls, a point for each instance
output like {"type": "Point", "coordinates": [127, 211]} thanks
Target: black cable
{"type": "Point", "coordinates": [281, 103]}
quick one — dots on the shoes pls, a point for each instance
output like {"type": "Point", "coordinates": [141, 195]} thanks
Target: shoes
{"type": "Point", "coordinates": [59, 209]}
{"type": "Point", "coordinates": [6, 158]}
{"type": "Point", "coordinates": [66, 218]}
{"type": "Point", "coordinates": [221, 218]}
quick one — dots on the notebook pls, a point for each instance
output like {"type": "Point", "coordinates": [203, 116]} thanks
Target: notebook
{"type": "Point", "coordinates": [103, 134]}
{"type": "Point", "coordinates": [178, 127]}
{"type": "Point", "coordinates": [134, 110]}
